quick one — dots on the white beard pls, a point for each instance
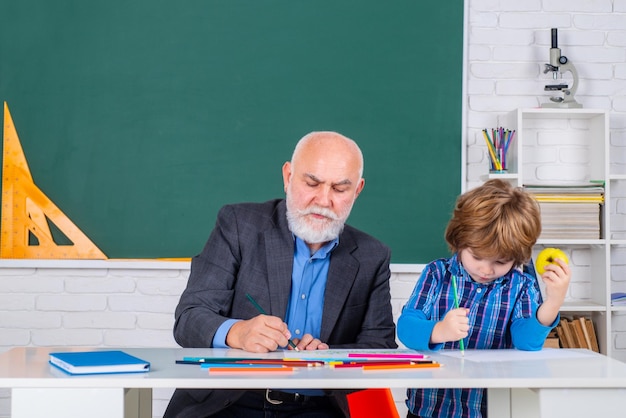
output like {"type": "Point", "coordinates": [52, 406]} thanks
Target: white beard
{"type": "Point", "coordinates": [313, 231]}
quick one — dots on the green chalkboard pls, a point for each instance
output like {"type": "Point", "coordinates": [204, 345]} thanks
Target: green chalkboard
{"type": "Point", "coordinates": [139, 119]}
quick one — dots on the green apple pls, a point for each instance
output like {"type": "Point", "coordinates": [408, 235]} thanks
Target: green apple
{"type": "Point", "coordinates": [547, 256]}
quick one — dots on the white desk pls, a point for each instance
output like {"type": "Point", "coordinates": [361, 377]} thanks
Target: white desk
{"type": "Point", "coordinates": [571, 383]}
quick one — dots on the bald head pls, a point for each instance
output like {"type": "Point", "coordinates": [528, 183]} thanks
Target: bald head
{"type": "Point", "coordinates": [328, 143]}
{"type": "Point", "coordinates": [322, 181]}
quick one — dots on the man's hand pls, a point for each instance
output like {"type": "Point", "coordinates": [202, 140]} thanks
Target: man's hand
{"type": "Point", "coordinates": [453, 327]}
{"type": "Point", "coordinates": [260, 334]}
{"type": "Point", "coordinates": [309, 343]}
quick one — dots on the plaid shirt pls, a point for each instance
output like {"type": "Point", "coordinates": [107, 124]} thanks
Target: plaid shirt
{"type": "Point", "coordinates": [502, 314]}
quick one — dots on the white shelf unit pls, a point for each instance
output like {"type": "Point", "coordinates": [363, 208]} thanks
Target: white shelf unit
{"type": "Point", "coordinates": [571, 146]}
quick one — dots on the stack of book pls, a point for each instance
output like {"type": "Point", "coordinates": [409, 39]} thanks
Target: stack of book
{"type": "Point", "coordinates": [574, 333]}
{"type": "Point", "coordinates": [570, 212]}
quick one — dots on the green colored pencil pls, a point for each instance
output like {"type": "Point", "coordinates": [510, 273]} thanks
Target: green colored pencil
{"type": "Point", "coordinates": [456, 305]}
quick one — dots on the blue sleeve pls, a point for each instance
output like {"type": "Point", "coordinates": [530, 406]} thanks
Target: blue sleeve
{"type": "Point", "coordinates": [414, 330]}
{"type": "Point", "coordinates": [527, 333]}
{"type": "Point", "coordinates": [415, 325]}
{"type": "Point", "coordinates": [219, 339]}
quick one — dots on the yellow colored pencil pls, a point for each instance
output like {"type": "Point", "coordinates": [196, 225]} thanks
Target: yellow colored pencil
{"type": "Point", "coordinates": [492, 152]}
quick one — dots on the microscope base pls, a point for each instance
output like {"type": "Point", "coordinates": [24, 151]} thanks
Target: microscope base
{"type": "Point", "coordinates": [562, 105]}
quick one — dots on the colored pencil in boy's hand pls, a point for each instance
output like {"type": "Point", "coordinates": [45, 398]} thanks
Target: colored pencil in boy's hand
{"type": "Point", "coordinates": [456, 305]}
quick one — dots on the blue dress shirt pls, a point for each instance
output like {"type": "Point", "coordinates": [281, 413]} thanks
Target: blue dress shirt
{"type": "Point", "coordinates": [308, 281]}
{"type": "Point", "coordinates": [306, 302]}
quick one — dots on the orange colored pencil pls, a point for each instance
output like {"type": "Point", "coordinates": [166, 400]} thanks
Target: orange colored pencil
{"type": "Point", "coordinates": [251, 370]}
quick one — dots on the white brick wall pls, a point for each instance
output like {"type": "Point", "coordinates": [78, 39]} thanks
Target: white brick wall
{"type": "Point", "coordinates": [508, 43]}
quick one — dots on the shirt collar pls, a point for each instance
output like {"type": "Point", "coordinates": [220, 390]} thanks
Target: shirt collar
{"type": "Point", "coordinates": [323, 252]}
{"type": "Point", "coordinates": [456, 269]}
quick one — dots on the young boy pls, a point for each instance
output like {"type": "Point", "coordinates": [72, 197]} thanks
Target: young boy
{"type": "Point", "coordinates": [491, 235]}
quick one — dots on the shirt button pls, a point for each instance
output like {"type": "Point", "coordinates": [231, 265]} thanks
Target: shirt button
{"type": "Point", "coordinates": [298, 331]}
{"type": "Point", "coordinates": [303, 296]}
{"type": "Point", "coordinates": [479, 290]}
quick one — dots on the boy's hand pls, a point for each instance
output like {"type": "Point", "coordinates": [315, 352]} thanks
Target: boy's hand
{"type": "Point", "coordinates": [453, 327]}
{"type": "Point", "coordinates": [556, 279]}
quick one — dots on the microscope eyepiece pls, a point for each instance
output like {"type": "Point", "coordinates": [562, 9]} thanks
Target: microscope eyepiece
{"type": "Point", "coordinates": [555, 40]}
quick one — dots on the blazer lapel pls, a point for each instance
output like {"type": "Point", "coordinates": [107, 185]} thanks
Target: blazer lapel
{"type": "Point", "coordinates": [279, 260]}
{"type": "Point", "coordinates": [341, 277]}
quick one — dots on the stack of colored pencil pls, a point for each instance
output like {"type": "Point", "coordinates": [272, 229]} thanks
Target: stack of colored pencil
{"type": "Point", "coordinates": [257, 365]}
{"type": "Point", "coordinates": [385, 361]}
{"type": "Point", "coordinates": [385, 364]}
{"type": "Point", "coordinates": [373, 362]}
{"type": "Point", "coordinates": [498, 146]}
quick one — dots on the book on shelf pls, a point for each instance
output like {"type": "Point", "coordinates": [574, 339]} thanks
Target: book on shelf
{"type": "Point", "coordinates": [552, 340]}
{"type": "Point", "coordinates": [568, 337]}
{"type": "Point", "coordinates": [579, 336]}
{"type": "Point", "coordinates": [593, 338]}
{"type": "Point", "coordinates": [618, 298]}
{"type": "Point", "coordinates": [576, 333]}
{"type": "Point", "coordinates": [96, 362]}
{"type": "Point", "coordinates": [591, 187]}
{"type": "Point", "coordinates": [569, 212]}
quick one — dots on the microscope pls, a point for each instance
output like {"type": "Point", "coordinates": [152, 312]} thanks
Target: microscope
{"type": "Point", "coordinates": [559, 64]}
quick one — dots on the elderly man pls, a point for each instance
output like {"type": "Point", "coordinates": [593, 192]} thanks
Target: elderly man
{"type": "Point", "coordinates": [322, 283]}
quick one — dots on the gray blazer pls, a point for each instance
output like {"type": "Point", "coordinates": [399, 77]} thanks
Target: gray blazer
{"type": "Point", "coordinates": [251, 251]}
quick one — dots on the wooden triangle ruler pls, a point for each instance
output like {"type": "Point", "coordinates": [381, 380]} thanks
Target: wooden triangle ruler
{"type": "Point", "coordinates": [27, 212]}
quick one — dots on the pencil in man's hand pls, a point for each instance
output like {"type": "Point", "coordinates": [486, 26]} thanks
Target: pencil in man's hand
{"type": "Point", "coordinates": [262, 311]}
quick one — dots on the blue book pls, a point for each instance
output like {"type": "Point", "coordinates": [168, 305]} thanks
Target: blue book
{"type": "Point", "coordinates": [94, 362]}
